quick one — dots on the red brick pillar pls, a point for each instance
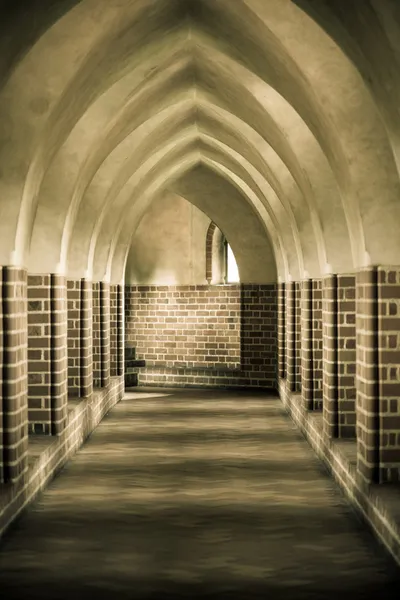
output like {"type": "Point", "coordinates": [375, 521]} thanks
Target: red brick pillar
{"type": "Point", "coordinates": [389, 372]}
{"type": "Point", "coordinates": [293, 336]}
{"type": "Point", "coordinates": [39, 354]}
{"type": "Point", "coordinates": [347, 355]}
{"type": "Point", "coordinates": [306, 343]}
{"type": "Point", "coordinates": [101, 334]}
{"type": "Point", "coordinates": [330, 364]}
{"type": "Point", "coordinates": [47, 353]}
{"type": "Point", "coordinates": [297, 337]}
{"type": "Point", "coordinates": [281, 330]}
{"type": "Point", "coordinates": [74, 337]}
{"type": "Point", "coordinates": [86, 338]}
{"type": "Point", "coordinates": [121, 331]}
{"type": "Point", "coordinates": [14, 442]}
{"type": "Point", "coordinates": [59, 354]}
{"type": "Point", "coordinates": [317, 344]}
{"type": "Point", "coordinates": [367, 374]}
{"type": "Point", "coordinates": [116, 331]}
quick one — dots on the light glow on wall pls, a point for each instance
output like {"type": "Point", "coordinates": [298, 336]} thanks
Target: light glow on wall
{"type": "Point", "coordinates": [232, 275]}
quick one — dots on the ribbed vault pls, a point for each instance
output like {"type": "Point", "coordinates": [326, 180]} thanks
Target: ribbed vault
{"type": "Point", "coordinates": [272, 117]}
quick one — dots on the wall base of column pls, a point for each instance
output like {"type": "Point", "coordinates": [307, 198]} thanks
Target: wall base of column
{"type": "Point", "coordinates": [47, 455]}
{"type": "Point", "coordinates": [377, 505]}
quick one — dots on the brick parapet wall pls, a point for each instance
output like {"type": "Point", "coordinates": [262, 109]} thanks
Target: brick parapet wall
{"type": "Point", "coordinates": [389, 372]}
{"type": "Point", "coordinates": [203, 335]}
{"type": "Point", "coordinates": [317, 343]}
{"type": "Point", "coordinates": [346, 355]}
{"type": "Point", "coordinates": [13, 455]}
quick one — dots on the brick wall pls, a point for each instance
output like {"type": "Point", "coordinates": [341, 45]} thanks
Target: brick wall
{"type": "Point", "coordinates": [203, 335]}
{"type": "Point", "coordinates": [389, 372]}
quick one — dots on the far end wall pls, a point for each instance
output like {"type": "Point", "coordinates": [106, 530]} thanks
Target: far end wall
{"type": "Point", "coordinates": [188, 332]}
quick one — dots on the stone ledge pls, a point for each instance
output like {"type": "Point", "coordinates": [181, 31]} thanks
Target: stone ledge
{"type": "Point", "coordinates": [378, 505]}
{"type": "Point", "coordinates": [83, 418]}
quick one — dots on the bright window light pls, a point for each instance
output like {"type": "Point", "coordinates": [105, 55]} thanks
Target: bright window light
{"type": "Point", "coordinates": [233, 271]}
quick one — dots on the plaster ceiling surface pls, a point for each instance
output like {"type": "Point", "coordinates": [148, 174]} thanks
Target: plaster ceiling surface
{"type": "Point", "coordinates": [279, 119]}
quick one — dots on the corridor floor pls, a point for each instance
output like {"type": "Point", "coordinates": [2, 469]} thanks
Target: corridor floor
{"type": "Point", "coordinates": [194, 494]}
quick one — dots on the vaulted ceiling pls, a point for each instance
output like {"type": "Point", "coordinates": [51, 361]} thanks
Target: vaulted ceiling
{"type": "Point", "coordinates": [279, 119]}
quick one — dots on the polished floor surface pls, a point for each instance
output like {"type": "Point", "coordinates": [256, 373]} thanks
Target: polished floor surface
{"type": "Point", "coordinates": [194, 494]}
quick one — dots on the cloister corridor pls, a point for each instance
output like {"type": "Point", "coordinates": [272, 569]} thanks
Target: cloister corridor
{"type": "Point", "coordinates": [200, 298]}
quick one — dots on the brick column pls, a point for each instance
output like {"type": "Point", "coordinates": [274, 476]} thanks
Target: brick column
{"type": "Point", "coordinates": [317, 346]}
{"type": "Point", "coordinates": [1, 381]}
{"type": "Point", "coordinates": [281, 330]}
{"type": "Point", "coordinates": [74, 337]}
{"type": "Point", "coordinates": [306, 343]}
{"type": "Point", "coordinates": [293, 336]}
{"type": "Point", "coordinates": [86, 338]}
{"type": "Point", "coordinates": [121, 331]}
{"type": "Point", "coordinates": [47, 354]}
{"type": "Point", "coordinates": [14, 447]}
{"type": "Point", "coordinates": [367, 384]}
{"type": "Point", "coordinates": [59, 354]}
{"type": "Point", "coordinates": [330, 364]}
{"type": "Point", "coordinates": [101, 334]}
{"type": "Point", "coordinates": [297, 337]}
{"type": "Point", "coordinates": [347, 355]}
{"type": "Point", "coordinates": [105, 332]}
{"type": "Point", "coordinates": [116, 331]}
{"type": "Point", "coordinates": [389, 372]}
{"type": "Point", "coordinates": [39, 354]}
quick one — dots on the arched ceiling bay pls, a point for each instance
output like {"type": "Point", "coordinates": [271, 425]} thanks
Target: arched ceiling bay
{"type": "Point", "coordinates": [264, 103]}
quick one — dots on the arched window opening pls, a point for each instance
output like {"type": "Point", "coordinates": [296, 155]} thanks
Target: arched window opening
{"type": "Point", "coordinates": [221, 266]}
{"type": "Point", "coordinates": [232, 271]}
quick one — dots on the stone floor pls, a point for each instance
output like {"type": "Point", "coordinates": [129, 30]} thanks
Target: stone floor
{"type": "Point", "coordinates": [194, 494]}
